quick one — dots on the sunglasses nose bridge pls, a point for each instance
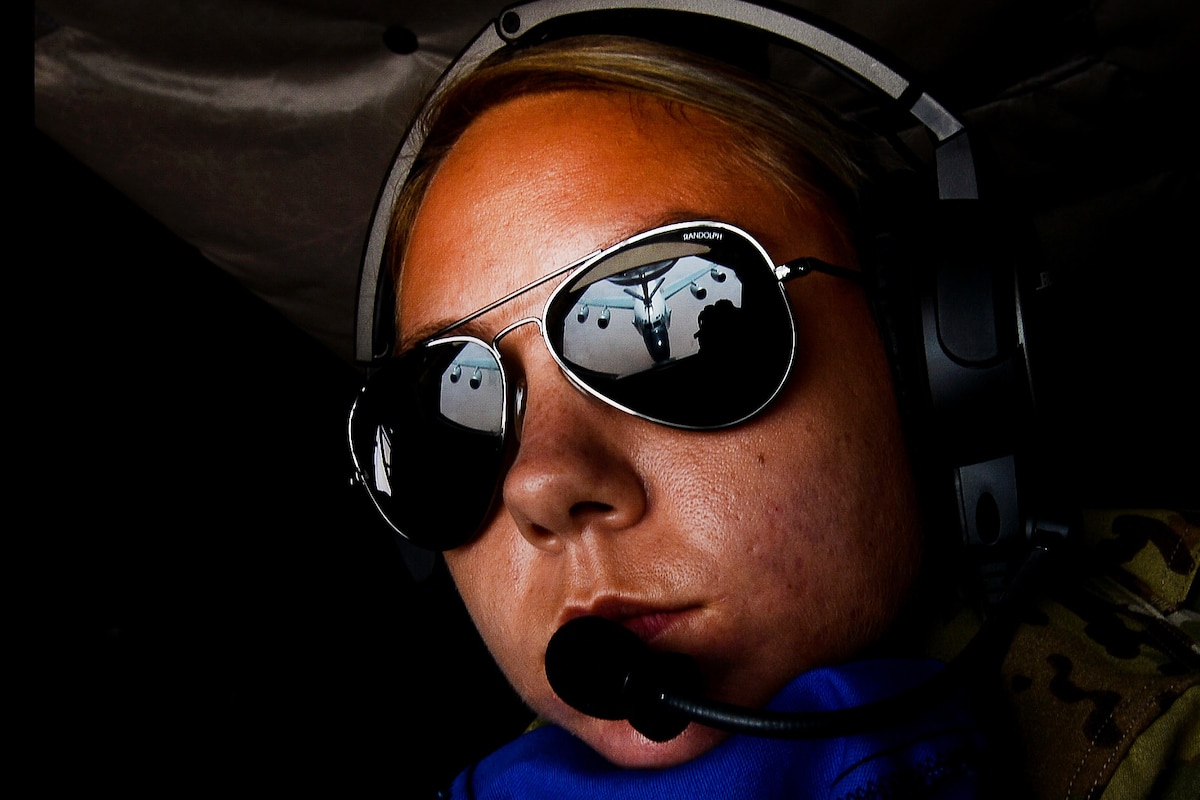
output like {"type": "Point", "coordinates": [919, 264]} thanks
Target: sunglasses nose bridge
{"type": "Point", "coordinates": [517, 388]}
{"type": "Point", "coordinates": [507, 329]}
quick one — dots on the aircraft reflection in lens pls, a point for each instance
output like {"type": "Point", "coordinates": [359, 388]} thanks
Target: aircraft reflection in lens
{"type": "Point", "coordinates": [645, 291]}
{"type": "Point", "coordinates": [479, 402]}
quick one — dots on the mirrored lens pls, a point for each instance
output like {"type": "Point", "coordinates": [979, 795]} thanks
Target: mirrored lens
{"type": "Point", "coordinates": [688, 328]}
{"type": "Point", "coordinates": [428, 438]}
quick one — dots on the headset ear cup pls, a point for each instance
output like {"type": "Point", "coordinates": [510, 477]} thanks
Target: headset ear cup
{"type": "Point", "coordinates": [901, 248]}
{"type": "Point", "coordinates": [945, 296]}
{"type": "Point", "coordinates": [894, 223]}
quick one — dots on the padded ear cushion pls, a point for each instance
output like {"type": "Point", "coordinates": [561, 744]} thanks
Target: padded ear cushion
{"type": "Point", "coordinates": [893, 232]}
{"type": "Point", "coordinates": [893, 217]}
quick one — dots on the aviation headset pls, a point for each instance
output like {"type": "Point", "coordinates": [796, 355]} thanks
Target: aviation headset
{"type": "Point", "coordinates": [946, 292]}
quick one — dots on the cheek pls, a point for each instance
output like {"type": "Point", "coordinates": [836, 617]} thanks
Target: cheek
{"type": "Point", "coordinates": [826, 572]}
{"type": "Point", "coordinates": [838, 522]}
{"type": "Point", "coordinates": [492, 580]}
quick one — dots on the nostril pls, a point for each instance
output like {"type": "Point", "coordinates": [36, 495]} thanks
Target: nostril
{"type": "Point", "coordinates": [590, 508]}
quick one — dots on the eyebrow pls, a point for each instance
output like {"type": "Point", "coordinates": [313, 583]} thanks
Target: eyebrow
{"type": "Point", "coordinates": [440, 328]}
{"type": "Point", "coordinates": [437, 328]}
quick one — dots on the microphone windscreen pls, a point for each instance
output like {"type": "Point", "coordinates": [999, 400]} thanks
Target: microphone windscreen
{"type": "Point", "coordinates": [604, 670]}
{"type": "Point", "coordinates": [588, 663]}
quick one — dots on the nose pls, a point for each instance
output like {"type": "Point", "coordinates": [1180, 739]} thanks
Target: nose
{"type": "Point", "coordinates": [575, 470]}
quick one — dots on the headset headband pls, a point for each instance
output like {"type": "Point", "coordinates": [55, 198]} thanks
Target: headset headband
{"type": "Point", "coordinates": [953, 160]}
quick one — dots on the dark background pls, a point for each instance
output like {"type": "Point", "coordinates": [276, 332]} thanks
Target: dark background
{"type": "Point", "coordinates": [225, 609]}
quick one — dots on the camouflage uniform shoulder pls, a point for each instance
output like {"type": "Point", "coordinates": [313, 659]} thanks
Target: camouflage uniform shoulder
{"type": "Point", "coordinates": [1103, 675]}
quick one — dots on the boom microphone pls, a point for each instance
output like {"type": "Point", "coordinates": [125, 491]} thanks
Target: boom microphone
{"type": "Point", "coordinates": [604, 670]}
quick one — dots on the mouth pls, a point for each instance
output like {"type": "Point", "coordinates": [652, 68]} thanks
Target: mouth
{"type": "Point", "coordinates": [647, 621]}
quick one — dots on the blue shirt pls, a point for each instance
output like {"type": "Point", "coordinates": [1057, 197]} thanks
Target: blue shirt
{"type": "Point", "coordinates": [937, 754]}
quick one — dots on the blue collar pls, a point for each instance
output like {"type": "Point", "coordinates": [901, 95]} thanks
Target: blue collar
{"type": "Point", "coordinates": [936, 755]}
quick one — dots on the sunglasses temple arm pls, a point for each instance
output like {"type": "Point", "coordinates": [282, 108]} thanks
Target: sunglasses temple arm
{"type": "Point", "coordinates": [803, 266]}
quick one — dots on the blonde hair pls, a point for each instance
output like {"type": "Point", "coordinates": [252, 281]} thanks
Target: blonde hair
{"type": "Point", "coordinates": [775, 132]}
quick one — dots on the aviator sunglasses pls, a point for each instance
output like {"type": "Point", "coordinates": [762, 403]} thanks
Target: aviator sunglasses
{"type": "Point", "coordinates": [686, 325]}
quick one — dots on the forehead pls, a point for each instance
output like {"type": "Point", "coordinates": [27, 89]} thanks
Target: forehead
{"type": "Point", "coordinates": [542, 180]}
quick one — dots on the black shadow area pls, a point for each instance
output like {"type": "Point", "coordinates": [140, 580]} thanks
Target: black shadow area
{"type": "Point", "coordinates": [214, 605]}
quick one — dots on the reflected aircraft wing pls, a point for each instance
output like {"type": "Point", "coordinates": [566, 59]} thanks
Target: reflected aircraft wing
{"type": "Point", "coordinates": [680, 285]}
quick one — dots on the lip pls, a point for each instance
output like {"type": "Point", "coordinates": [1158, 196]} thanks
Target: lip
{"type": "Point", "coordinates": [648, 621]}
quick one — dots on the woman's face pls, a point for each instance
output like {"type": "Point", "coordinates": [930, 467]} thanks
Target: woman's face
{"type": "Point", "coordinates": [762, 550]}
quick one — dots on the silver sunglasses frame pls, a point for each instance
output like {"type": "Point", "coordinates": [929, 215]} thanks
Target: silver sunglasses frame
{"type": "Point", "coordinates": [782, 273]}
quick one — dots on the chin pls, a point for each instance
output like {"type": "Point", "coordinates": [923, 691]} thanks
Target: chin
{"type": "Point", "coordinates": [618, 742]}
